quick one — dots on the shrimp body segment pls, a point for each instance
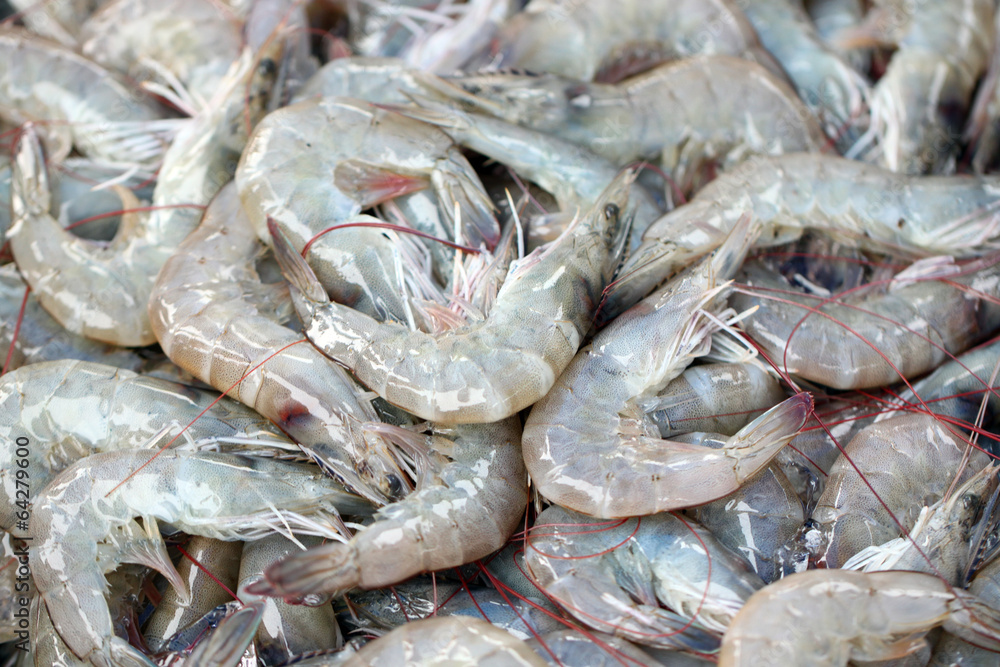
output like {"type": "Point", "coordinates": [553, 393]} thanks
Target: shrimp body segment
{"type": "Point", "coordinates": [226, 496]}
{"type": "Point", "coordinates": [830, 617]}
{"type": "Point", "coordinates": [487, 370]}
{"type": "Point", "coordinates": [589, 446]}
{"type": "Point", "coordinates": [467, 511]}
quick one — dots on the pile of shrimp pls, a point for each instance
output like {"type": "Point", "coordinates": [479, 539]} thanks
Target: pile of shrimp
{"type": "Point", "coordinates": [492, 332]}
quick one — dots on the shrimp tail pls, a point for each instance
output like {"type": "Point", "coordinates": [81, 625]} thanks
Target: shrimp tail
{"type": "Point", "coordinates": [371, 184]}
{"type": "Point", "coordinates": [453, 186]}
{"type": "Point", "coordinates": [295, 269]}
{"type": "Point", "coordinates": [145, 546]}
{"type": "Point", "coordinates": [330, 568]}
{"type": "Point", "coordinates": [760, 440]}
{"type": "Point", "coordinates": [974, 621]}
{"type": "Point", "coordinates": [230, 639]}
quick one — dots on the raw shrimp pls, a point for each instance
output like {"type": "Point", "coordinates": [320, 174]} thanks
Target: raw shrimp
{"type": "Point", "coordinates": [215, 319]}
{"type": "Point", "coordinates": [289, 630]}
{"type": "Point", "coordinates": [458, 641]}
{"type": "Point", "coordinates": [101, 290]}
{"type": "Point", "coordinates": [450, 47]}
{"type": "Point", "coordinates": [615, 576]}
{"type": "Point", "coordinates": [876, 339]}
{"type": "Point", "coordinates": [205, 588]}
{"type": "Point", "coordinates": [955, 389]}
{"type": "Point", "coordinates": [323, 160]}
{"type": "Point", "coordinates": [718, 398]}
{"type": "Point", "coordinates": [192, 42]}
{"type": "Point", "coordinates": [830, 87]}
{"type": "Point", "coordinates": [941, 543]}
{"type": "Point", "coordinates": [857, 203]}
{"type": "Point", "coordinates": [489, 369]}
{"type": "Point", "coordinates": [756, 519]}
{"type": "Point", "coordinates": [68, 410]}
{"type": "Point", "coordinates": [575, 176]}
{"type": "Point", "coordinates": [41, 338]}
{"type": "Point", "coordinates": [607, 40]}
{"type": "Point", "coordinates": [908, 461]}
{"type": "Point", "coordinates": [84, 105]}
{"type": "Point", "coordinates": [226, 496]}
{"type": "Point", "coordinates": [952, 650]}
{"type": "Point", "coordinates": [920, 103]}
{"type": "Point", "coordinates": [468, 508]}
{"type": "Point", "coordinates": [646, 117]}
{"type": "Point", "coordinates": [829, 617]}
{"type": "Point", "coordinates": [589, 447]}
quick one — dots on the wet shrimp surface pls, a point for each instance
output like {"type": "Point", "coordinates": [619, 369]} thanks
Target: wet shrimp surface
{"type": "Point", "coordinates": [499, 332]}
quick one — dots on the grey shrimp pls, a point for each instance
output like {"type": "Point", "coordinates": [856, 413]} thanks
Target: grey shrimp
{"type": "Point", "coordinates": [909, 460]}
{"type": "Point", "coordinates": [618, 576]}
{"type": "Point", "coordinates": [372, 155]}
{"type": "Point", "coordinates": [488, 369]}
{"type": "Point", "coordinates": [40, 338]}
{"type": "Point", "coordinates": [215, 319]}
{"type": "Point", "coordinates": [589, 447]}
{"type": "Point", "coordinates": [854, 202]}
{"type": "Point", "coordinates": [670, 114]}
{"type": "Point", "coordinates": [877, 338]}
{"type": "Point", "coordinates": [85, 105]}
{"type": "Point", "coordinates": [100, 290]}
{"type": "Point", "coordinates": [291, 630]}
{"type": "Point", "coordinates": [920, 103]}
{"type": "Point", "coordinates": [828, 85]}
{"type": "Point", "coordinates": [72, 409]}
{"type": "Point", "coordinates": [607, 40]}
{"type": "Point", "coordinates": [829, 617]}
{"type": "Point", "coordinates": [226, 496]}
{"type": "Point", "coordinates": [468, 507]}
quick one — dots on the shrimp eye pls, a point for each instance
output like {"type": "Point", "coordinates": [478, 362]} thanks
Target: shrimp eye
{"type": "Point", "coordinates": [395, 485]}
{"type": "Point", "coordinates": [611, 211]}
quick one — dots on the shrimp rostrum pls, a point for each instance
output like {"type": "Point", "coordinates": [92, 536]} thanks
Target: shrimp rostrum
{"type": "Point", "coordinates": [488, 369]}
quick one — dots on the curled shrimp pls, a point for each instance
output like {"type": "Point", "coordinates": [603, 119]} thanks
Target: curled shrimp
{"type": "Point", "coordinates": [607, 40]}
{"type": "Point", "coordinates": [72, 409]}
{"type": "Point", "coordinates": [920, 103]}
{"type": "Point", "coordinates": [206, 587]}
{"type": "Point", "coordinates": [618, 578]}
{"type": "Point", "coordinates": [372, 155]}
{"type": "Point", "coordinates": [856, 203]}
{"type": "Point", "coordinates": [644, 117]}
{"type": "Point", "coordinates": [215, 319]}
{"type": "Point", "coordinates": [226, 496]}
{"type": "Point", "coordinates": [888, 471]}
{"type": "Point", "coordinates": [875, 340]}
{"type": "Point", "coordinates": [490, 369]}
{"type": "Point", "coordinates": [85, 105]}
{"type": "Point", "coordinates": [589, 447]}
{"type": "Point", "coordinates": [468, 508]}
{"type": "Point", "coordinates": [101, 290]}
{"type": "Point", "coordinates": [291, 630]}
{"type": "Point", "coordinates": [830, 617]}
